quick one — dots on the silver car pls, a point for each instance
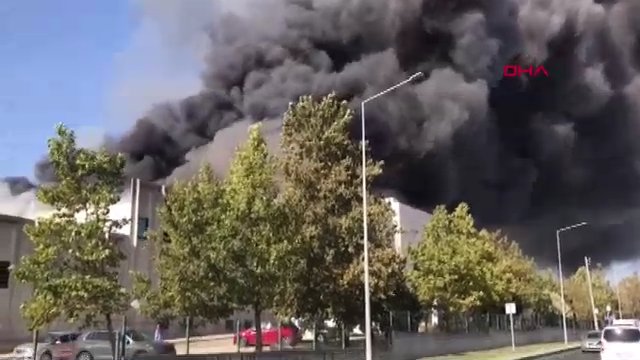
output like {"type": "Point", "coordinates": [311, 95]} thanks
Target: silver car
{"type": "Point", "coordinates": [591, 342]}
{"type": "Point", "coordinates": [52, 347]}
{"type": "Point", "coordinates": [96, 345]}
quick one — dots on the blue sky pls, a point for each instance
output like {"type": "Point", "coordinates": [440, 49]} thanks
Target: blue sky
{"type": "Point", "coordinates": [57, 58]}
{"type": "Point", "coordinates": [93, 65]}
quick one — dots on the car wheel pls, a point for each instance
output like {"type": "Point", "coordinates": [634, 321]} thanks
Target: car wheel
{"type": "Point", "coordinates": [243, 342]}
{"type": "Point", "coordinates": [45, 356]}
{"type": "Point", "coordinates": [84, 355]}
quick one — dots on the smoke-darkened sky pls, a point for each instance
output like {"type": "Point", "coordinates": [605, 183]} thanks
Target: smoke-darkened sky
{"type": "Point", "coordinates": [529, 154]}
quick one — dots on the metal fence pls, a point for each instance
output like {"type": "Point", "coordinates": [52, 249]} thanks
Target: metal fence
{"type": "Point", "coordinates": [406, 321]}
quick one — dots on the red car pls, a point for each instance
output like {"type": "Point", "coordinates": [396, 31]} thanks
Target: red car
{"type": "Point", "coordinates": [289, 335]}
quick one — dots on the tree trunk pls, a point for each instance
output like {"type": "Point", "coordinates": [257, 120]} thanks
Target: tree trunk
{"type": "Point", "coordinates": [35, 334]}
{"type": "Point", "coordinates": [257, 312]}
{"type": "Point", "coordinates": [112, 339]}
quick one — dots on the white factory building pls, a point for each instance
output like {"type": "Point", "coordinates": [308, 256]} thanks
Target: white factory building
{"type": "Point", "coordinates": [14, 244]}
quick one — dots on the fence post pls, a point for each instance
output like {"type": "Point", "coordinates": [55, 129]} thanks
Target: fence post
{"type": "Point", "coordinates": [315, 339]}
{"type": "Point", "coordinates": [390, 327]}
{"type": "Point", "coordinates": [279, 335]}
{"type": "Point", "coordinates": [409, 321]}
{"type": "Point", "coordinates": [238, 335]}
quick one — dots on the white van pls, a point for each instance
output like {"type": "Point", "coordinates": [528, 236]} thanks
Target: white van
{"type": "Point", "coordinates": [620, 342]}
{"type": "Point", "coordinates": [626, 322]}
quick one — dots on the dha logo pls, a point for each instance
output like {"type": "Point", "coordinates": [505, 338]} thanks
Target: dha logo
{"type": "Point", "coordinates": [517, 70]}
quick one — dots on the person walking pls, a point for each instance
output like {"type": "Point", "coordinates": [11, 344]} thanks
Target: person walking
{"type": "Point", "coordinates": [158, 336]}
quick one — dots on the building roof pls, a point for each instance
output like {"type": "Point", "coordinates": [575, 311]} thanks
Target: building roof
{"type": "Point", "coordinates": [14, 219]}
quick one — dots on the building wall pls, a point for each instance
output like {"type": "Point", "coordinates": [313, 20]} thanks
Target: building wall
{"type": "Point", "coordinates": [140, 252]}
{"type": "Point", "coordinates": [411, 223]}
{"type": "Point", "coordinates": [13, 243]}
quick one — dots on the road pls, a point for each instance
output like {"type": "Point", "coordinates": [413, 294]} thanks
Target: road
{"type": "Point", "coordinates": [575, 355]}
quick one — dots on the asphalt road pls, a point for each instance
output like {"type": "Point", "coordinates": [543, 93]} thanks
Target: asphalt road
{"type": "Point", "coordinates": [575, 355]}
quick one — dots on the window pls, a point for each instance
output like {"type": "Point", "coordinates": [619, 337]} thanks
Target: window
{"type": "Point", "coordinates": [625, 335]}
{"type": "Point", "coordinates": [5, 274]}
{"type": "Point", "coordinates": [593, 335]}
{"type": "Point", "coordinates": [136, 336]}
{"type": "Point", "coordinates": [99, 336]}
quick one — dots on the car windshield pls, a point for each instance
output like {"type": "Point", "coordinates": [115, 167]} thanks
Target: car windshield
{"type": "Point", "coordinates": [594, 335]}
{"type": "Point", "coordinates": [136, 335]}
{"type": "Point", "coordinates": [622, 335]}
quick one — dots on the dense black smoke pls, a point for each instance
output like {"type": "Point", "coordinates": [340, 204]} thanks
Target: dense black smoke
{"type": "Point", "coordinates": [529, 154]}
{"type": "Point", "coordinates": [17, 185]}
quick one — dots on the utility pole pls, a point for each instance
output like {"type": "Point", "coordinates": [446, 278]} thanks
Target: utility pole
{"type": "Point", "coordinates": [587, 262]}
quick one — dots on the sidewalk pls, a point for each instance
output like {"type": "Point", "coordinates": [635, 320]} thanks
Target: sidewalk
{"type": "Point", "coordinates": [522, 352]}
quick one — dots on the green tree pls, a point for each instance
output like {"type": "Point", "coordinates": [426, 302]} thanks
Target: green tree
{"type": "Point", "coordinates": [192, 276]}
{"type": "Point", "coordinates": [256, 239]}
{"type": "Point", "coordinates": [577, 292]}
{"type": "Point", "coordinates": [74, 268]}
{"type": "Point", "coordinates": [454, 265]}
{"type": "Point", "coordinates": [629, 289]}
{"type": "Point", "coordinates": [518, 278]}
{"type": "Point", "coordinates": [322, 181]}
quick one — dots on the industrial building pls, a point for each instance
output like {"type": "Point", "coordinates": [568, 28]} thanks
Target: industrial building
{"type": "Point", "coordinates": [139, 202]}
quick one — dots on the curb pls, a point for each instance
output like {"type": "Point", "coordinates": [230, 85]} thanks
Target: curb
{"type": "Point", "coordinates": [556, 352]}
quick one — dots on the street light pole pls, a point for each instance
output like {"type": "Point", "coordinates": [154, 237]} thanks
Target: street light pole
{"type": "Point", "coordinates": [564, 306]}
{"type": "Point", "coordinates": [367, 295]}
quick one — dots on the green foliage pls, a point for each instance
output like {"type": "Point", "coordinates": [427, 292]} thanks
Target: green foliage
{"type": "Point", "coordinates": [256, 222]}
{"type": "Point", "coordinates": [453, 266]}
{"type": "Point", "coordinates": [322, 189]}
{"type": "Point", "coordinates": [519, 279]}
{"type": "Point", "coordinates": [191, 273]}
{"type": "Point", "coordinates": [629, 289]}
{"type": "Point", "coordinates": [74, 268]}
{"type": "Point", "coordinates": [577, 292]}
{"type": "Point", "coordinates": [465, 270]}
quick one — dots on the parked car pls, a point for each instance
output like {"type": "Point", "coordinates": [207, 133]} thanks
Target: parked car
{"type": "Point", "coordinates": [55, 345]}
{"type": "Point", "coordinates": [289, 335]}
{"type": "Point", "coordinates": [591, 342]}
{"type": "Point", "coordinates": [96, 345]}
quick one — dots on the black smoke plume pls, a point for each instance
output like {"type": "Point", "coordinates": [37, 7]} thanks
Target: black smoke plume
{"type": "Point", "coordinates": [529, 154]}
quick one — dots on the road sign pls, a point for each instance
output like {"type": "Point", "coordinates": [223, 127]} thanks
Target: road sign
{"type": "Point", "coordinates": [510, 309]}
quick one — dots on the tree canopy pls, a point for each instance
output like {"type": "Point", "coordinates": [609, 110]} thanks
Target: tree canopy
{"type": "Point", "coordinates": [462, 269]}
{"type": "Point", "coordinates": [452, 266]}
{"type": "Point", "coordinates": [74, 268]}
{"type": "Point", "coordinates": [256, 221]}
{"type": "Point", "coordinates": [192, 277]}
{"type": "Point", "coordinates": [629, 289]}
{"type": "Point", "coordinates": [577, 292]}
{"type": "Point", "coordinates": [322, 181]}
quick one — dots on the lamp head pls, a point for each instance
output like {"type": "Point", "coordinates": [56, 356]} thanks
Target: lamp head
{"type": "Point", "coordinates": [416, 77]}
